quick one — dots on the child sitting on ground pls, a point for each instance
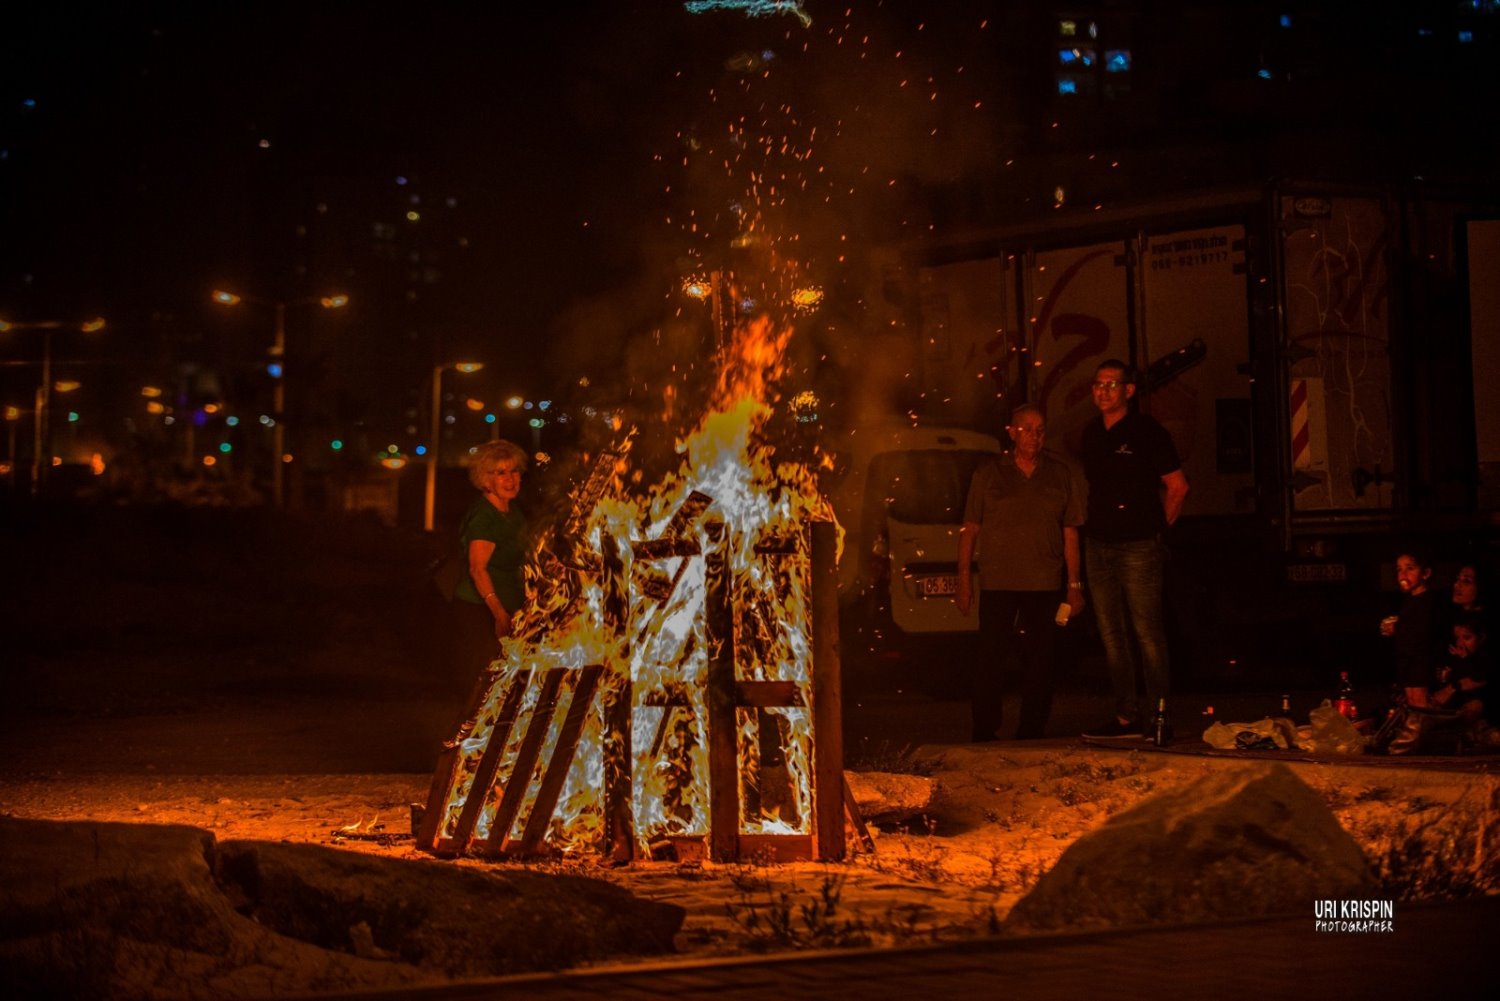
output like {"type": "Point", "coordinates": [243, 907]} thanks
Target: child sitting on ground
{"type": "Point", "coordinates": [1464, 682]}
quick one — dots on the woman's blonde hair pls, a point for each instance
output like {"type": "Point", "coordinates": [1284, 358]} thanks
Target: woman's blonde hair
{"type": "Point", "coordinates": [488, 457]}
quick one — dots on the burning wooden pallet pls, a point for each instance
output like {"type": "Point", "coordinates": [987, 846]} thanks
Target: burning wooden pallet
{"type": "Point", "coordinates": [496, 789]}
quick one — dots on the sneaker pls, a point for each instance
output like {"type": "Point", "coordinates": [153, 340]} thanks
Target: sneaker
{"type": "Point", "coordinates": [1115, 728]}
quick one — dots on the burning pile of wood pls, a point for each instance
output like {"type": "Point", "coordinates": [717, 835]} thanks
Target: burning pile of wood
{"type": "Point", "coordinates": [678, 657]}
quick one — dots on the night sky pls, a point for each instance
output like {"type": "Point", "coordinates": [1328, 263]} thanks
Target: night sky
{"type": "Point", "coordinates": [527, 185]}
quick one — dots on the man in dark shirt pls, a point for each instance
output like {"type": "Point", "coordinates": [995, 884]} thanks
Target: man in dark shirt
{"type": "Point", "coordinates": [1136, 489]}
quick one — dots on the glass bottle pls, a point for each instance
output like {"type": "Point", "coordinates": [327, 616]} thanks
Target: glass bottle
{"type": "Point", "coordinates": [1159, 724]}
{"type": "Point", "coordinates": [1345, 701]}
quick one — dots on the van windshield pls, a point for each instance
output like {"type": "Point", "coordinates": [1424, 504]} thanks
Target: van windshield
{"type": "Point", "coordinates": [926, 487]}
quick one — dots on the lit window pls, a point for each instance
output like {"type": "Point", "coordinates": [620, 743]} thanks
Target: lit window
{"type": "Point", "coordinates": [1117, 60]}
{"type": "Point", "coordinates": [1067, 85]}
{"type": "Point", "coordinates": [1264, 74]}
{"type": "Point", "coordinates": [1077, 57]}
{"type": "Point", "coordinates": [1093, 30]}
{"type": "Point", "coordinates": [1465, 37]}
{"type": "Point", "coordinates": [1067, 29]}
{"type": "Point", "coordinates": [1286, 20]}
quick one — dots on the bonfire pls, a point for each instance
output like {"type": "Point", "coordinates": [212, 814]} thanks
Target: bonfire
{"type": "Point", "coordinates": [664, 687]}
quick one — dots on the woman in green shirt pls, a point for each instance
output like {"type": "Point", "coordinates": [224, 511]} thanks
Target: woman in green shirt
{"type": "Point", "coordinates": [493, 535]}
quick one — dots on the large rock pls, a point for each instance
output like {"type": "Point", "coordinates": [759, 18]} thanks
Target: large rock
{"type": "Point", "coordinates": [1245, 842]}
{"type": "Point", "coordinates": [134, 910]}
{"type": "Point", "coordinates": [890, 796]}
{"type": "Point", "coordinates": [463, 921]}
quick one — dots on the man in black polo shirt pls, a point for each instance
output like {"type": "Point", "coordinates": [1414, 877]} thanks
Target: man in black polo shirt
{"type": "Point", "coordinates": [1136, 489]}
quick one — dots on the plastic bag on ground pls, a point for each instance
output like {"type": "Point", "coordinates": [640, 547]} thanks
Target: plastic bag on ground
{"type": "Point", "coordinates": [1332, 733]}
{"type": "Point", "coordinates": [1262, 735]}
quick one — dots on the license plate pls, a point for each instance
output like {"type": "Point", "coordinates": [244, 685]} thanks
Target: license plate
{"type": "Point", "coordinates": [1312, 573]}
{"type": "Point", "coordinates": [937, 586]}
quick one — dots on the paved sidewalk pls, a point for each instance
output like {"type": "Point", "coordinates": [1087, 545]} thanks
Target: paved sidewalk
{"type": "Point", "coordinates": [1435, 949]}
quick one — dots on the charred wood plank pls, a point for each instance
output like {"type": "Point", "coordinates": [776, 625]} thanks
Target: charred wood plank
{"type": "Point", "coordinates": [489, 762]}
{"type": "Point", "coordinates": [562, 760]}
{"type": "Point", "coordinates": [723, 751]}
{"type": "Point", "coordinates": [767, 694]}
{"type": "Point", "coordinates": [520, 774]}
{"type": "Point", "coordinates": [827, 692]}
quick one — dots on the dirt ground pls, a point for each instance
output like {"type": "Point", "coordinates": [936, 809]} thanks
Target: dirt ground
{"type": "Point", "coordinates": [277, 680]}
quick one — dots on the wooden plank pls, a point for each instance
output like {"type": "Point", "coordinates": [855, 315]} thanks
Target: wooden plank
{"type": "Point", "coordinates": [663, 549]}
{"type": "Point", "coordinates": [723, 744]}
{"type": "Point", "coordinates": [767, 694]}
{"type": "Point", "coordinates": [489, 762]}
{"type": "Point", "coordinates": [776, 847]}
{"type": "Point", "coordinates": [827, 694]}
{"type": "Point", "coordinates": [526, 755]}
{"type": "Point", "coordinates": [851, 808]}
{"type": "Point", "coordinates": [437, 798]}
{"type": "Point", "coordinates": [563, 753]}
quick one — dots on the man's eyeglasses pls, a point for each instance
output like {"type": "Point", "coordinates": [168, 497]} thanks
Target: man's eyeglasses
{"type": "Point", "coordinates": [1108, 387]}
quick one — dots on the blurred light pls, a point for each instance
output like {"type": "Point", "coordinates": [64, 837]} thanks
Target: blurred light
{"type": "Point", "coordinates": [209, 460]}
{"type": "Point", "coordinates": [169, 420]}
{"type": "Point", "coordinates": [1263, 74]}
{"type": "Point", "coordinates": [450, 419]}
{"type": "Point", "coordinates": [57, 460]}
{"type": "Point", "coordinates": [489, 418]}
{"type": "Point", "coordinates": [96, 463]}
{"type": "Point", "coordinates": [1286, 20]}
{"type": "Point", "coordinates": [211, 408]}
{"type": "Point", "coordinates": [225, 447]}
{"type": "Point", "coordinates": [413, 216]}
{"type": "Point", "coordinates": [93, 326]}
{"type": "Point", "coordinates": [225, 298]}
{"type": "Point", "coordinates": [334, 301]}
{"type": "Point", "coordinates": [544, 405]}
{"type": "Point", "coordinates": [151, 392]}
{"type": "Point", "coordinates": [66, 385]}
{"type": "Point", "coordinates": [274, 370]}
{"type": "Point", "coordinates": [12, 413]}
{"type": "Point", "coordinates": [6, 468]}
{"type": "Point", "coordinates": [583, 381]}
{"type": "Point", "coordinates": [420, 450]}
{"type": "Point", "coordinates": [474, 404]}
{"type": "Point", "coordinates": [155, 408]}
{"type": "Point", "coordinates": [400, 179]}
{"type": "Point", "coordinates": [696, 288]}
{"type": "Point", "coordinates": [514, 403]}
{"type": "Point", "coordinates": [287, 457]}
{"type": "Point", "coordinates": [537, 422]}
{"type": "Point", "coordinates": [266, 420]}
{"type": "Point", "coordinates": [393, 449]}
{"type": "Point", "coordinates": [393, 462]}
{"type": "Point", "coordinates": [527, 405]}
{"type": "Point", "coordinates": [233, 422]}
{"type": "Point", "coordinates": [72, 417]}
{"type": "Point", "coordinates": [468, 366]}
{"type": "Point", "coordinates": [336, 445]}
{"type": "Point", "coordinates": [807, 299]}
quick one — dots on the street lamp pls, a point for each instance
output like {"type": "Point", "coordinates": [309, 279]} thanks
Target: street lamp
{"type": "Point", "coordinates": [430, 501]}
{"type": "Point", "coordinates": [39, 427]}
{"type": "Point", "coordinates": [278, 353]}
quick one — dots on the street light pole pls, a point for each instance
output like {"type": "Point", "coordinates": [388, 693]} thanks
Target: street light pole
{"type": "Point", "coordinates": [42, 403]}
{"type": "Point", "coordinates": [278, 408]}
{"type": "Point", "coordinates": [429, 502]}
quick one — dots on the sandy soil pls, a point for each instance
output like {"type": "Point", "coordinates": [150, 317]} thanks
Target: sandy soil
{"type": "Point", "coordinates": [278, 682]}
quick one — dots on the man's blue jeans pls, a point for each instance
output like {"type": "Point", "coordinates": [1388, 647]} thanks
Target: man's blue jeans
{"type": "Point", "coordinates": [1125, 582]}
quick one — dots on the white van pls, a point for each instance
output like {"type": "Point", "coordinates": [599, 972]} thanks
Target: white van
{"type": "Point", "coordinates": [900, 497]}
